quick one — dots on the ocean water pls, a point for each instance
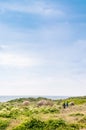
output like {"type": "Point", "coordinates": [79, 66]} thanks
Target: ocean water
{"type": "Point", "coordinates": [8, 98]}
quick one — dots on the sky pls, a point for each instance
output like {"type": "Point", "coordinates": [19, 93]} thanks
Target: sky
{"type": "Point", "coordinates": [43, 47]}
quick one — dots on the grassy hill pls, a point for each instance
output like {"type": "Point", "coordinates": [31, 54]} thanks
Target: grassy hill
{"type": "Point", "coordinates": [43, 114]}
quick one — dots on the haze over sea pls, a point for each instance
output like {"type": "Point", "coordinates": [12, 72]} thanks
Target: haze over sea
{"type": "Point", "coordinates": [8, 98]}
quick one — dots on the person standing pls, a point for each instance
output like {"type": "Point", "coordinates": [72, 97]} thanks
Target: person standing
{"type": "Point", "coordinates": [64, 105]}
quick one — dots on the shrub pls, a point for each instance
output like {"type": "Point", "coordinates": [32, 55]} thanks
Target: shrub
{"type": "Point", "coordinates": [49, 110]}
{"type": "Point", "coordinates": [45, 102]}
{"type": "Point", "coordinates": [3, 124]}
{"type": "Point", "coordinates": [77, 114]}
{"type": "Point", "coordinates": [14, 112]}
{"type": "Point", "coordinates": [41, 103]}
{"type": "Point", "coordinates": [4, 113]}
{"type": "Point", "coordinates": [74, 126]}
{"type": "Point", "coordinates": [83, 120]}
{"type": "Point", "coordinates": [26, 103]}
{"type": "Point", "coordinates": [33, 124]}
{"type": "Point", "coordinates": [53, 124]}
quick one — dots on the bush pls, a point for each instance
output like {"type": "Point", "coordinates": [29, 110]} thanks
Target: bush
{"type": "Point", "coordinates": [74, 126]}
{"type": "Point", "coordinates": [45, 102]}
{"type": "Point", "coordinates": [3, 124]}
{"type": "Point", "coordinates": [53, 124]}
{"type": "Point", "coordinates": [26, 103]}
{"type": "Point", "coordinates": [83, 120]}
{"type": "Point", "coordinates": [77, 114]}
{"type": "Point", "coordinates": [35, 124]}
{"type": "Point", "coordinates": [49, 110]}
{"type": "Point", "coordinates": [14, 112]}
{"type": "Point", "coordinates": [4, 113]}
{"type": "Point", "coordinates": [31, 125]}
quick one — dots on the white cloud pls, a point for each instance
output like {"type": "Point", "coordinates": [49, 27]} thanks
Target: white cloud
{"type": "Point", "coordinates": [41, 8]}
{"type": "Point", "coordinates": [17, 60]}
{"type": "Point", "coordinates": [3, 47]}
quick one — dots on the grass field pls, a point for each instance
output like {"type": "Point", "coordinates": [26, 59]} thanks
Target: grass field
{"type": "Point", "coordinates": [43, 114]}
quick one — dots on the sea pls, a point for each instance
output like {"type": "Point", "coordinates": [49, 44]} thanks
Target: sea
{"type": "Point", "coordinates": [8, 98]}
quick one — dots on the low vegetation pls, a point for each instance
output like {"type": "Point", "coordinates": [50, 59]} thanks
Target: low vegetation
{"type": "Point", "coordinates": [43, 114]}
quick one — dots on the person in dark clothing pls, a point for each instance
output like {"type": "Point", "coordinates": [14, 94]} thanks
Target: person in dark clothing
{"type": "Point", "coordinates": [64, 105]}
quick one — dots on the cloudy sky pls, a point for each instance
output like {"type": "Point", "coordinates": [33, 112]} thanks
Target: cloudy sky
{"type": "Point", "coordinates": [43, 47]}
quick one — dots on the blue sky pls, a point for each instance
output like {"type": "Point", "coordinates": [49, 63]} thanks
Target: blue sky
{"type": "Point", "coordinates": [43, 47]}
